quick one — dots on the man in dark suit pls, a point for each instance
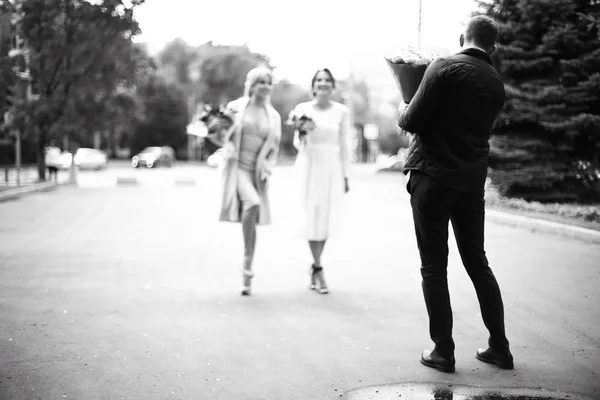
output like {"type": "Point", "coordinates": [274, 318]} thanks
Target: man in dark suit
{"type": "Point", "coordinates": [451, 116]}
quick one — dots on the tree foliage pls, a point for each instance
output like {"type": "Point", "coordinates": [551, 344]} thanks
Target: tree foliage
{"type": "Point", "coordinates": [549, 57]}
{"type": "Point", "coordinates": [80, 51]}
{"type": "Point", "coordinates": [215, 74]}
{"type": "Point", "coordinates": [223, 72]}
{"type": "Point", "coordinates": [164, 116]}
{"type": "Point", "coordinates": [285, 97]}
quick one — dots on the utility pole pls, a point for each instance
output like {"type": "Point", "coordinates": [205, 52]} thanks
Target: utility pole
{"type": "Point", "coordinates": [349, 102]}
{"type": "Point", "coordinates": [191, 148]}
{"type": "Point", "coordinates": [419, 27]}
{"type": "Point", "coordinates": [22, 92]}
{"type": "Point", "coordinates": [19, 55]}
{"type": "Point", "coordinates": [23, 82]}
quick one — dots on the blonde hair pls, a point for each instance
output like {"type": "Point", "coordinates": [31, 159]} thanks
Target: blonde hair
{"type": "Point", "coordinates": [253, 76]}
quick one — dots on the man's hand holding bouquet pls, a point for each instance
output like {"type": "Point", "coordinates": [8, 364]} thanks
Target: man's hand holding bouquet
{"type": "Point", "coordinates": [408, 68]}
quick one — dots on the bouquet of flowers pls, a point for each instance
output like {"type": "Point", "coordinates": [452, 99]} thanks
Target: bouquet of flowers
{"type": "Point", "coordinates": [408, 69]}
{"type": "Point", "coordinates": [219, 122]}
{"type": "Point", "coordinates": [301, 123]}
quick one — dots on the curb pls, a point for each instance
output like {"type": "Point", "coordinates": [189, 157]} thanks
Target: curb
{"type": "Point", "coordinates": [534, 224]}
{"type": "Point", "coordinates": [17, 192]}
{"type": "Point", "coordinates": [541, 225]}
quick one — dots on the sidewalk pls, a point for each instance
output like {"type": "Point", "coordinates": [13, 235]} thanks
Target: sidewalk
{"type": "Point", "coordinates": [538, 224]}
{"type": "Point", "coordinates": [512, 218]}
{"type": "Point", "coordinates": [15, 192]}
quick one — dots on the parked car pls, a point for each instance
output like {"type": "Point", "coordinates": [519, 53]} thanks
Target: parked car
{"type": "Point", "coordinates": [85, 158]}
{"type": "Point", "coordinates": [154, 156]}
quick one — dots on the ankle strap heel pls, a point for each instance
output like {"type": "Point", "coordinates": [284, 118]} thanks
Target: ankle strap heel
{"type": "Point", "coordinates": [317, 275]}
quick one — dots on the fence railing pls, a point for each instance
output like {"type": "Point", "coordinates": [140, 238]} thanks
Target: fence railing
{"type": "Point", "coordinates": [26, 175]}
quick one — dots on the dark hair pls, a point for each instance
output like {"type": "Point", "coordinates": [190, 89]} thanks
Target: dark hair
{"type": "Point", "coordinates": [314, 79]}
{"type": "Point", "coordinates": [482, 31]}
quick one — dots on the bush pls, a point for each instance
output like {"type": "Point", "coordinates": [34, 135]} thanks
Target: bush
{"type": "Point", "coordinates": [548, 182]}
{"type": "Point", "coordinates": [517, 149]}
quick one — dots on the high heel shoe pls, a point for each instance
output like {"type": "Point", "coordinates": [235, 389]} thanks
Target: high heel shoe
{"type": "Point", "coordinates": [313, 278]}
{"type": "Point", "coordinates": [247, 289]}
{"type": "Point", "coordinates": [316, 274]}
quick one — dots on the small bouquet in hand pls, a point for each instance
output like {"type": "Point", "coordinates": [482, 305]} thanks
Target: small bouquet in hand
{"type": "Point", "coordinates": [408, 69]}
{"type": "Point", "coordinates": [301, 123]}
{"type": "Point", "coordinates": [219, 123]}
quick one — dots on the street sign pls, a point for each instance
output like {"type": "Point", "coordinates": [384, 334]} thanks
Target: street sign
{"type": "Point", "coordinates": [8, 117]}
{"type": "Point", "coordinates": [371, 131]}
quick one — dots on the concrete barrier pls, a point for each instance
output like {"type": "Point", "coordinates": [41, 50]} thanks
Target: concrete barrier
{"type": "Point", "coordinates": [127, 180]}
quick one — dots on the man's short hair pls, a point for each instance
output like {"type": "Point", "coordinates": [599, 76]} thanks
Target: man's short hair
{"type": "Point", "coordinates": [482, 31]}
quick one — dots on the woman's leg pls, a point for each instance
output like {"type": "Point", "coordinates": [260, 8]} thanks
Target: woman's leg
{"type": "Point", "coordinates": [250, 210]}
{"type": "Point", "coordinates": [316, 248]}
{"type": "Point", "coordinates": [249, 220]}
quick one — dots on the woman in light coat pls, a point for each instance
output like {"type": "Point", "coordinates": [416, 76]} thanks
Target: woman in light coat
{"type": "Point", "coordinates": [249, 157]}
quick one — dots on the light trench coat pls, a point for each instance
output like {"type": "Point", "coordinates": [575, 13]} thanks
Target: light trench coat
{"type": "Point", "coordinates": [231, 207]}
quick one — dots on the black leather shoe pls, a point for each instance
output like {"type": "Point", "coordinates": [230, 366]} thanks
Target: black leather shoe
{"type": "Point", "coordinates": [503, 360]}
{"type": "Point", "coordinates": [434, 360]}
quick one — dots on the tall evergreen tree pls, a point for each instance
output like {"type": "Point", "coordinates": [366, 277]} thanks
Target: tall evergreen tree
{"type": "Point", "coordinates": [549, 57]}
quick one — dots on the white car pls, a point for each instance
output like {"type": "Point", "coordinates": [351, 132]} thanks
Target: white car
{"type": "Point", "coordinates": [84, 159]}
{"type": "Point", "coordinates": [154, 156]}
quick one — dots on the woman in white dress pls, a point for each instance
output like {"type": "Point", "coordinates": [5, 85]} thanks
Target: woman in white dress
{"type": "Point", "coordinates": [322, 163]}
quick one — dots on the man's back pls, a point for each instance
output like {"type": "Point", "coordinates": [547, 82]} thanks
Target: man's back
{"type": "Point", "coordinates": [451, 142]}
{"type": "Point", "coordinates": [451, 115]}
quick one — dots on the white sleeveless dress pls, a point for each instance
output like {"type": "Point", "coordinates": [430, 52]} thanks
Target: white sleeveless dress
{"type": "Point", "coordinates": [322, 163]}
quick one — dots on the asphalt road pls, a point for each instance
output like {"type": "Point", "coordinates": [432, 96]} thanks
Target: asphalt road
{"type": "Point", "coordinates": [127, 287]}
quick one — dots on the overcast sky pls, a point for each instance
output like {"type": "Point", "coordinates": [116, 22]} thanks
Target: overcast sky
{"type": "Point", "coordinates": [300, 37]}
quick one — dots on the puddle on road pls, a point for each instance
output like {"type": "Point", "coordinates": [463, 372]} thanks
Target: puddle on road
{"type": "Point", "coordinates": [454, 392]}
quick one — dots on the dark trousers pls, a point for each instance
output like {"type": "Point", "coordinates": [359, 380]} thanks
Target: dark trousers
{"type": "Point", "coordinates": [52, 171]}
{"type": "Point", "coordinates": [434, 205]}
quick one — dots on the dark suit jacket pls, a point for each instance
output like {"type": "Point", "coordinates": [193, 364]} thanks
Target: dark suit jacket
{"type": "Point", "coordinates": [451, 116]}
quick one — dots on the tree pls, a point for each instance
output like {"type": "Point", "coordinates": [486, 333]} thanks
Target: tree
{"type": "Point", "coordinates": [178, 56]}
{"type": "Point", "coordinates": [108, 105]}
{"type": "Point", "coordinates": [74, 45]}
{"type": "Point", "coordinates": [121, 118]}
{"type": "Point", "coordinates": [549, 58]}
{"type": "Point", "coordinates": [164, 116]}
{"type": "Point", "coordinates": [223, 72]}
{"type": "Point", "coordinates": [355, 94]}
{"type": "Point", "coordinates": [7, 75]}
{"type": "Point", "coordinates": [285, 97]}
